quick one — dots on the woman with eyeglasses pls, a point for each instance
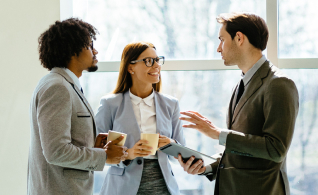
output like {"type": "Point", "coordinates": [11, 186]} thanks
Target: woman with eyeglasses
{"type": "Point", "coordinates": [136, 107]}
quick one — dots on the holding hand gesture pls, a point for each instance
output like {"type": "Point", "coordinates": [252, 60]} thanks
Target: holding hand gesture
{"type": "Point", "coordinates": [164, 140]}
{"type": "Point", "coordinates": [193, 169]}
{"type": "Point", "coordinates": [100, 141]}
{"type": "Point", "coordinates": [139, 150]}
{"type": "Point", "coordinates": [115, 153]}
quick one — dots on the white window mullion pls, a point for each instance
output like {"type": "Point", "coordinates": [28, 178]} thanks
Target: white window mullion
{"type": "Point", "coordinates": [175, 65]}
{"type": "Point", "coordinates": [272, 23]}
{"type": "Point", "coordinates": [298, 63]}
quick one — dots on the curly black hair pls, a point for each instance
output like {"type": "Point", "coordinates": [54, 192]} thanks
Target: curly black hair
{"type": "Point", "coordinates": [63, 40]}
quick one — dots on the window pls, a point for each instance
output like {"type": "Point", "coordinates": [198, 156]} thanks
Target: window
{"type": "Point", "coordinates": [297, 33]}
{"type": "Point", "coordinates": [302, 158]}
{"type": "Point", "coordinates": [180, 29]}
{"type": "Point", "coordinates": [186, 33]}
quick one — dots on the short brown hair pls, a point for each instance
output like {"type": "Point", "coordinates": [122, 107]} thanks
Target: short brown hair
{"type": "Point", "coordinates": [131, 52]}
{"type": "Point", "coordinates": [251, 25]}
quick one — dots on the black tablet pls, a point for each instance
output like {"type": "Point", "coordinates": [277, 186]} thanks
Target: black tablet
{"type": "Point", "coordinates": [174, 149]}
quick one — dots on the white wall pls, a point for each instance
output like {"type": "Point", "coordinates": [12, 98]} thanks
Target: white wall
{"type": "Point", "coordinates": [21, 23]}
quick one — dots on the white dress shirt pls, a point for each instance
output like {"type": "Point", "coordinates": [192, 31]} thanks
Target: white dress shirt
{"type": "Point", "coordinates": [145, 113]}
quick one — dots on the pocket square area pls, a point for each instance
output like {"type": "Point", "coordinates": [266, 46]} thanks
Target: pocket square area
{"type": "Point", "coordinates": [83, 114]}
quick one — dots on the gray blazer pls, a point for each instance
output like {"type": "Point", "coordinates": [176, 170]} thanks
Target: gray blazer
{"type": "Point", "coordinates": [254, 160]}
{"type": "Point", "coordinates": [61, 157]}
{"type": "Point", "coordinates": [116, 113]}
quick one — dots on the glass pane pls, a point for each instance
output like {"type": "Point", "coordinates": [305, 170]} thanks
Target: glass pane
{"type": "Point", "coordinates": [210, 96]}
{"type": "Point", "coordinates": [180, 29]}
{"type": "Point", "coordinates": [302, 159]}
{"type": "Point", "coordinates": [297, 29]}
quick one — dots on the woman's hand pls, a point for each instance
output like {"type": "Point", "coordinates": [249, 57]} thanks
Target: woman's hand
{"type": "Point", "coordinates": [164, 140]}
{"type": "Point", "coordinates": [139, 150]}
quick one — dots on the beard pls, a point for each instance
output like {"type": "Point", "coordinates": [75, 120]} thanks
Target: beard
{"type": "Point", "coordinates": [93, 68]}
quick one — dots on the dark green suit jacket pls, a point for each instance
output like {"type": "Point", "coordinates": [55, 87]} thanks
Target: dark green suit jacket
{"type": "Point", "coordinates": [254, 160]}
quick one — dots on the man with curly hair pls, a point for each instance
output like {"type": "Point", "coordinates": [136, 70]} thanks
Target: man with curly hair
{"type": "Point", "coordinates": [63, 150]}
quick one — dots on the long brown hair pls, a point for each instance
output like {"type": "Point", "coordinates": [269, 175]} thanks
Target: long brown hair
{"type": "Point", "coordinates": [131, 52]}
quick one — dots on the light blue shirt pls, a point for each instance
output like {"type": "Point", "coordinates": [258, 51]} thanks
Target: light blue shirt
{"type": "Point", "coordinates": [74, 78]}
{"type": "Point", "coordinates": [246, 80]}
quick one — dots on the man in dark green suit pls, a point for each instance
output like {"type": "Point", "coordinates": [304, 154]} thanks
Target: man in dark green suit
{"type": "Point", "coordinates": [261, 116]}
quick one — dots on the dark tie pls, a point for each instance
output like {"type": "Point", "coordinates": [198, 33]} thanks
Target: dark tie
{"type": "Point", "coordinates": [82, 90]}
{"type": "Point", "coordinates": [240, 91]}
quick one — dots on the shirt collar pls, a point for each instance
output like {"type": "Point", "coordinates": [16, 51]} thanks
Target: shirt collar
{"type": "Point", "coordinates": [136, 100]}
{"type": "Point", "coordinates": [73, 77]}
{"type": "Point", "coordinates": [250, 73]}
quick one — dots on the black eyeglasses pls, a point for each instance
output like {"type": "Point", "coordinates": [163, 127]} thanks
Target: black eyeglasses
{"type": "Point", "coordinates": [149, 62]}
{"type": "Point", "coordinates": [92, 46]}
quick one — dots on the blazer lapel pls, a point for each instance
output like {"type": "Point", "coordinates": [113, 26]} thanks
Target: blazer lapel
{"type": "Point", "coordinates": [133, 126]}
{"type": "Point", "coordinates": [255, 83]}
{"type": "Point", "coordinates": [230, 110]}
{"type": "Point", "coordinates": [80, 94]}
{"type": "Point", "coordinates": [78, 91]}
{"type": "Point", "coordinates": [159, 121]}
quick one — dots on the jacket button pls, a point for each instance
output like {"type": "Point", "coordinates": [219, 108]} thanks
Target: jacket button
{"type": "Point", "coordinates": [221, 166]}
{"type": "Point", "coordinates": [139, 162]}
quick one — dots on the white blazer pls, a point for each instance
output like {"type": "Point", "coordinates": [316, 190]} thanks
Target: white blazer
{"type": "Point", "coordinates": [116, 113]}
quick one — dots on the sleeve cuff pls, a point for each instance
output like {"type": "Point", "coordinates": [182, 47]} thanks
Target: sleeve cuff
{"type": "Point", "coordinates": [101, 159]}
{"type": "Point", "coordinates": [208, 169]}
{"type": "Point", "coordinates": [223, 136]}
{"type": "Point", "coordinates": [126, 162]}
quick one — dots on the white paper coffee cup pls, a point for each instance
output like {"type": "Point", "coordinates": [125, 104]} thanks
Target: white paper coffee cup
{"type": "Point", "coordinates": [112, 135]}
{"type": "Point", "coordinates": [153, 139]}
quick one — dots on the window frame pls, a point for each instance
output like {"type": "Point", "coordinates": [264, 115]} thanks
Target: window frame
{"type": "Point", "coordinates": [272, 20]}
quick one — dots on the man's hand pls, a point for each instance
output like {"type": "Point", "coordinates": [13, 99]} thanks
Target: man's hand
{"type": "Point", "coordinates": [100, 141]}
{"type": "Point", "coordinates": [196, 168]}
{"type": "Point", "coordinates": [115, 153]}
{"type": "Point", "coordinates": [164, 140]}
{"type": "Point", "coordinates": [201, 124]}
